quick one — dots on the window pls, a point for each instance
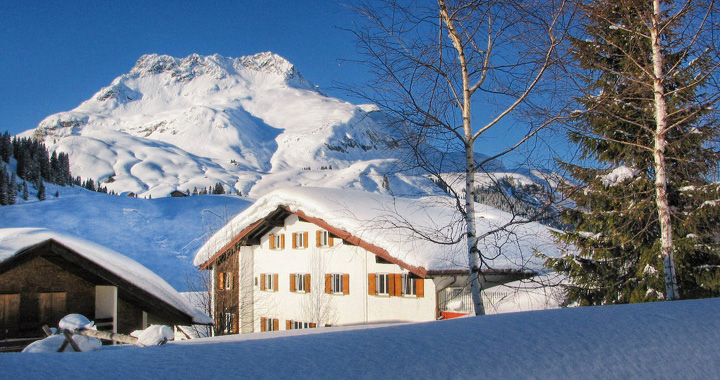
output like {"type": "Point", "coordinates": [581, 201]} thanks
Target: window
{"type": "Point", "coordinates": [300, 240]}
{"type": "Point", "coordinates": [408, 285]}
{"type": "Point", "coordinates": [381, 284]}
{"type": "Point", "coordinates": [277, 242]}
{"type": "Point", "coordinates": [300, 282]}
{"type": "Point", "coordinates": [269, 324]}
{"type": "Point", "coordinates": [269, 282]}
{"type": "Point", "coordinates": [324, 239]}
{"type": "Point", "coordinates": [228, 323]}
{"type": "Point", "coordinates": [295, 325]}
{"type": "Point", "coordinates": [337, 283]}
{"type": "Point", "coordinates": [224, 280]}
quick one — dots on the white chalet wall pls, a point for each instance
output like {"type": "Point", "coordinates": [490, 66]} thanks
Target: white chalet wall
{"type": "Point", "coordinates": [316, 306]}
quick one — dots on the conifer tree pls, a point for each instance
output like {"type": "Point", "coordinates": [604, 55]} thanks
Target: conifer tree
{"type": "Point", "coordinates": [12, 190]}
{"type": "Point", "coordinates": [25, 195]}
{"type": "Point", "coordinates": [40, 186]}
{"type": "Point", "coordinates": [3, 186]}
{"type": "Point", "coordinates": [618, 226]}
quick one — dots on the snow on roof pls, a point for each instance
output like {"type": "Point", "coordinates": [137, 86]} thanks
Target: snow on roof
{"type": "Point", "coordinates": [385, 221]}
{"type": "Point", "coordinates": [15, 240]}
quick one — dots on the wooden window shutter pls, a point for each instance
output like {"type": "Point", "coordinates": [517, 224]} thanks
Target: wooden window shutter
{"type": "Point", "coordinates": [313, 325]}
{"type": "Point", "coordinates": [390, 284]}
{"type": "Point", "coordinates": [318, 238]}
{"type": "Point", "coordinates": [292, 282]}
{"type": "Point", "coordinates": [397, 279]}
{"type": "Point", "coordinates": [371, 284]}
{"type": "Point", "coordinates": [305, 239]}
{"type": "Point", "coordinates": [276, 324]}
{"type": "Point", "coordinates": [346, 284]}
{"type": "Point", "coordinates": [307, 283]}
{"type": "Point", "coordinates": [288, 325]}
{"type": "Point", "coordinates": [328, 283]}
{"type": "Point", "coordinates": [235, 324]}
{"type": "Point", "coordinates": [272, 241]}
{"type": "Point", "coordinates": [282, 241]}
{"type": "Point", "coordinates": [275, 282]}
{"type": "Point", "coordinates": [420, 287]}
{"type": "Point", "coordinates": [330, 240]}
{"type": "Point", "coordinates": [262, 282]}
{"type": "Point", "coordinates": [221, 280]}
{"type": "Point", "coordinates": [262, 324]}
{"type": "Point", "coordinates": [294, 240]}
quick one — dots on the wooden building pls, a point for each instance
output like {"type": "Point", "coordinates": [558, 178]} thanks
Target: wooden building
{"type": "Point", "coordinates": [45, 276]}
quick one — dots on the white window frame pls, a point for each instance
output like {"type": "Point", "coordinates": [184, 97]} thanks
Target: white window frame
{"type": "Point", "coordinates": [336, 283]}
{"type": "Point", "coordinates": [294, 325]}
{"type": "Point", "coordinates": [228, 319]}
{"type": "Point", "coordinates": [269, 283]}
{"type": "Point", "coordinates": [227, 279]}
{"type": "Point", "coordinates": [408, 286]}
{"type": "Point", "coordinates": [324, 238]}
{"type": "Point", "coordinates": [269, 324]}
{"type": "Point", "coordinates": [300, 282]}
{"type": "Point", "coordinates": [277, 242]}
{"type": "Point", "coordinates": [299, 240]}
{"type": "Point", "coordinates": [382, 285]}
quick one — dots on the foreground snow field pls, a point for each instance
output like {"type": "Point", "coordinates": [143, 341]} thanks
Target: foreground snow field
{"type": "Point", "coordinates": [670, 340]}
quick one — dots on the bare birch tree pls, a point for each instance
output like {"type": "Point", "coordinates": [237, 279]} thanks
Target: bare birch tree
{"type": "Point", "coordinates": [449, 73]}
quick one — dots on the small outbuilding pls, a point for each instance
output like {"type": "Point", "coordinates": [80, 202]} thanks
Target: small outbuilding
{"type": "Point", "coordinates": [45, 275]}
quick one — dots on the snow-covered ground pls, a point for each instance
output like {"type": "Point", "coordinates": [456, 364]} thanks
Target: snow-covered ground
{"type": "Point", "coordinates": [669, 340]}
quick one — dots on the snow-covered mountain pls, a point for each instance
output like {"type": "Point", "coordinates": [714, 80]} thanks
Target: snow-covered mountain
{"type": "Point", "coordinates": [251, 123]}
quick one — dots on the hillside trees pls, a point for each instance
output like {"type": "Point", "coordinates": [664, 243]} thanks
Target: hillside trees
{"type": "Point", "coordinates": [33, 164]}
{"type": "Point", "coordinates": [648, 208]}
{"type": "Point", "coordinates": [450, 72]}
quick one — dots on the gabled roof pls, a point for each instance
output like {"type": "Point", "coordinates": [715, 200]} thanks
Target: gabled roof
{"type": "Point", "coordinates": [99, 265]}
{"type": "Point", "coordinates": [424, 235]}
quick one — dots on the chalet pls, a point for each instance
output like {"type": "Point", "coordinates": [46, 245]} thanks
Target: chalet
{"type": "Point", "coordinates": [311, 257]}
{"type": "Point", "coordinates": [178, 194]}
{"type": "Point", "coordinates": [46, 275]}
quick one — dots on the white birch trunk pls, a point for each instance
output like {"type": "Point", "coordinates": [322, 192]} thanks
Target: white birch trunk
{"type": "Point", "coordinates": [661, 196]}
{"type": "Point", "coordinates": [471, 231]}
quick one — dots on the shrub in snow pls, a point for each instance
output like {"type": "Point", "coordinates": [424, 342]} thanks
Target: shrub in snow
{"type": "Point", "coordinates": [74, 322]}
{"type": "Point", "coordinates": [153, 335]}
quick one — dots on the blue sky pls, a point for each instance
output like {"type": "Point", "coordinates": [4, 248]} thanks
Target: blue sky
{"type": "Point", "coordinates": [56, 54]}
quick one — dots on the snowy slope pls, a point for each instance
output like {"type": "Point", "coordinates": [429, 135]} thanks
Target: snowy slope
{"type": "Point", "coordinates": [161, 234]}
{"type": "Point", "coordinates": [174, 123]}
{"type": "Point", "coordinates": [666, 340]}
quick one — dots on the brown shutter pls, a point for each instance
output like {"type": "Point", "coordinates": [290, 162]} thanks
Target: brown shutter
{"type": "Point", "coordinates": [292, 282]}
{"type": "Point", "coordinates": [262, 282]}
{"type": "Point", "coordinates": [397, 278]}
{"type": "Point", "coordinates": [307, 283]}
{"type": "Point", "coordinates": [346, 284]}
{"type": "Point", "coordinates": [318, 238]}
{"type": "Point", "coordinates": [330, 240]}
{"type": "Point", "coordinates": [305, 239]}
{"type": "Point", "coordinates": [420, 287]}
{"type": "Point", "coordinates": [276, 324]}
{"type": "Point", "coordinates": [275, 282]}
{"type": "Point", "coordinates": [272, 241]}
{"type": "Point", "coordinates": [313, 325]}
{"type": "Point", "coordinates": [288, 325]}
{"type": "Point", "coordinates": [221, 280]}
{"type": "Point", "coordinates": [235, 324]}
{"type": "Point", "coordinates": [294, 238]}
{"type": "Point", "coordinates": [328, 283]}
{"type": "Point", "coordinates": [391, 284]}
{"type": "Point", "coordinates": [282, 241]}
{"type": "Point", "coordinates": [371, 284]}
{"type": "Point", "coordinates": [262, 324]}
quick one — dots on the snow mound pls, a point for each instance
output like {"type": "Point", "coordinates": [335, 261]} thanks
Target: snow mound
{"type": "Point", "coordinates": [54, 342]}
{"type": "Point", "coordinates": [153, 335]}
{"type": "Point", "coordinates": [75, 322]}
